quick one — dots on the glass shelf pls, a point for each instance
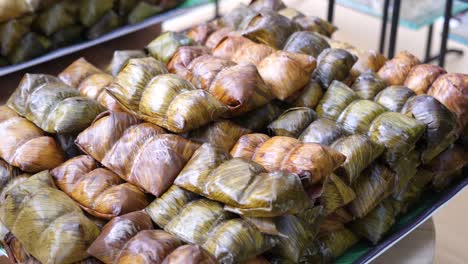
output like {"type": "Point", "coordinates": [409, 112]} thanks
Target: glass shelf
{"type": "Point", "coordinates": [460, 32]}
{"type": "Point", "coordinates": [414, 14]}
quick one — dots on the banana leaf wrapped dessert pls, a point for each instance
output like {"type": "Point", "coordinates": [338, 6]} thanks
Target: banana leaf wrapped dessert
{"type": "Point", "coordinates": [368, 85]}
{"type": "Point", "coordinates": [378, 222]}
{"type": "Point", "coordinates": [174, 103]}
{"type": "Point", "coordinates": [129, 84]}
{"type": "Point", "coordinates": [360, 152]}
{"type": "Point", "coordinates": [306, 42]}
{"type": "Point", "coordinates": [335, 194]}
{"type": "Point", "coordinates": [274, 5]}
{"type": "Point", "coordinates": [58, 16]}
{"type": "Point", "coordinates": [441, 124]}
{"type": "Point", "coordinates": [397, 132]}
{"type": "Point", "coordinates": [105, 24]}
{"type": "Point", "coordinates": [116, 233]}
{"type": "Point", "coordinates": [142, 11]}
{"type": "Point", "coordinates": [164, 46]}
{"type": "Point", "coordinates": [223, 134]}
{"type": "Point", "coordinates": [292, 122]}
{"type": "Point", "coordinates": [375, 184]}
{"type": "Point", "coordinates": [448, 166]}
{"type": "Point", "coordinates": [357, 117]}
{"type": "Point", "coordinates": [120, 58]}
{"type": "Point", "coordinates": [337, 97]}
{"type": "Point", "coordinates": [11, 33]}
{"type": "Point", "coordinates": [422, 76]}
{"type": "Point", "coordinates": [394, 97]}
{"type": "Point", "coordinates": [270, 28]}
{"type": "Point", "coordinates": [368, 61]}
{"type": "Point", "coordinates": [148, 246]}
{"type": "Point", "coordinates": [334, 64]}
{"type": "Point", "coordinates": [395, 71]}
{"type": "Point", "coordinates": [200, 33]}
{"type": "Point", "coordinates": [247, 51]}
{"type": "Point", "coordinates": [183, 56]}
{"type": "Point", "coordinates": [235, 18]}
{"type": "Point", "coordinates": [309, 96]}
{"type": "Point", "coordinates": [25, 146]}
{"type": "Point", "coordinates": [30, 46]}
{"type": "Point", "coordinates": [405, 169]}
{"type": "Point", "coordinates": [258, 119]}
{"type": "Point", "coordinates": [293, 76]}
{"type": "Point", "coordinates": [92, 10]}
{"type": "Point", "coordinates": [312, 162]}
{"type": "Point", "coordinates": [52, 105]}
{"type": "Point", "coordinates": [243, 186]}
{"type": "Point", "coordinates": [411, 193]}
{"type": "Point", "coordinates": [43, 218]}
{"type": "Point", "coordinates": [335, 243]}
{"type": "Point", "coordinates": [98, 191]}
{"type": "Point", "coordinates": [315, 24]}
{"type": "Point", "coordinates": [322, 131]}
{"type": "Point", "coordinates": [77, 72]}
{"type": "Point", "coordinates": [247, 145]}
{"type": "Point", "coordinates": [67, 36]}
{"type": "Point", "coordinates": [164, 208]}
{"type": "Point", "coordinates": [451, 90]}
{"type": "Point", "coordinates": [204, 69]}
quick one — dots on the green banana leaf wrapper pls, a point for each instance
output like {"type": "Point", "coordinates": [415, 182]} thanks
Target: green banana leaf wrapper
{"type": "Point", "coordinates": [334, 244]}
{"type": "Point", "coordinates": [223, 134]}
{"type": "Point", "coordinates": [59, 16]}
{"type": "Point", "coordinates": [309, 96]}
{"type": "Point", "coordinates": [394, 97]}
{"type": "Point", "coordinates": [257, 120]}
{"type": "Point", "coordinates": [236, 241]}
{"type": "Point", "coordinates": [334, 64]}
{"type": "Point", "coordinates": [269, 28]}
{"type": "Point", "coordinates": [357, 117]}
{"type": "Point", "coordinates": [30, 46]}
{"type": "Point", "coordinates": [397, 132]}
{"type": "Point", "coordinates": [292, 122]}
{"type": "Point", "coordinates": [360, 152]}
{"type": "Point", "coordinates": [164, 46]}
{"type": "Point", "coordinates": [236, 17]}
{"type": "Point", "coordinates": [106, 23]}
{"type": "Point", "coordinates": [448, 166]}
{"type": "Point", "coordinates": [92, 10]}
{"type": "Point", "coordinates": [322, 131]}
{"type": "Point", "coordinates": [335, 194]}
{"type": "Point", "coordinates": [120, 59]}
{"type": "Point", "coordinates": [67, 36]}
{"type": "Point", "coordinates": [411, 193]}
{"type": "Point", "coordinates": [11, 33]}
{"type": "Point", "coordinates": [375, 184]}
{"type": "Point", "coordinates": [378, 222]}
{"type": "Point", "coordinates": [52, 105]}
{"type": "Point", "coordinates": [7, 173]}
{"type": "Point", "coordinates": [405, 169]}
{"type": "Point", "coordinates": [337, 97]}
{"type": "Point", "coordinates": [441, 124]}
{"type": "Point", "coordinates": [166, 207]}
{"type": "Point", "coordinates": [43, 218]}
{"type": "Point", "coordinates": [123, 7]}
{"type": "Point", "coordinates": [368, 85]}
{"type": "Point", "coordinates": [306, 42]}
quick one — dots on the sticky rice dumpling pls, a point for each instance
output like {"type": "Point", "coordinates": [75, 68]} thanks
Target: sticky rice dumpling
{"type": "Point", "coordinates": [120, 58]}
{"type": "Point", "coordinates": [116, 233]}
{"type": "Point", "coordinates": [334, 64]}
{"type": "Point", "coordinates": [179, 62]}
{"type": "Point", "coordinates": [131, 81]}
{"type": "Point", "coordinates": [322, 131]}
{"type": "Point", "coordinates": [422, 76]}
{"type": "Point", "coordinates": [98, 191]}
{"type": "Point", "coordinates": [451, 90]}
{"type": "Point", "coordinates": [200, 33]}
{"type": "Point", "coordinates": [25, 146]}
{"type": "Point", "coordinates": [31, 45]}
{"type": "Point", "coordinates": [42, 218]}
{"type": "Point", "coordinates": [395, 71]}
{"type": "Point", "coordinates": [236, 17]}
{"type": "Point", "coordinates": [92, 10]}
{"type": "Point", "coordinates": [360, 152]}
{"type": "Point", "coordinates": [368, 61]}
{"type": "Point", "coordinates": [247, 51]}
{"type": "Point", "coordinates": [315, 24]}
{"type": "Point", "coordinates": [357, 117]}
{"type": "Point", "coordinates": [368, 85]}
{"type": "Point", "coordinates": [441, 124]}
{"type": "Point", "coordinates": [205, 68]}
{"type": "Point", "coordinates": [306, 42]}
{"type": "Point", "coordinates": [52, 105]}
{"type": "Point", "coordinates": [270, 28]}
{"type": "Point", "coordinates": [236, 240]}
{"type": "Point", "coordinates": [247, 145]}
{"type": "Point", "coordinates": [448, 166]}
{"type": "Point", "coordinates": [164, 46]}
{"type": "Point", "coordinates": [335, 243]}
{"type": "Point", "coordinates": [394, 97]}
{"type": "Point", "coordinates": [7, 173]}
{"type": "Point", "coordinates": [257, 120]}
{"type": "Point", "coordinates": [166, 207]}
{"type": "Point", "coordinates": [337, 97]}
{"type": "Point", "coordinates": [335, 194]}
{"type": "Point", "coordinates": [410, 193]}
{"type": "Point", "coordinates": [76, 72]}
{"type": "Point", "coordinates": [397, 132]}
{"type": "Point", "coordinates": [309, 96]}
{"type": "Point", "coordinates": [375, 184]}
{"type": "Point", "coordinates": [292, 122]}
{"type": "Point", "coordinates": [190, 254]}
{"type": "Point", "coordinates": [286, 72]}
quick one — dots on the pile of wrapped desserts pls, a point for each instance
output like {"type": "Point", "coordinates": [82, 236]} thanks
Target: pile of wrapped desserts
{"type": "Point", "coordinates": [30, 28]}
{"type": "Point", "coordinates": [253, 138]}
